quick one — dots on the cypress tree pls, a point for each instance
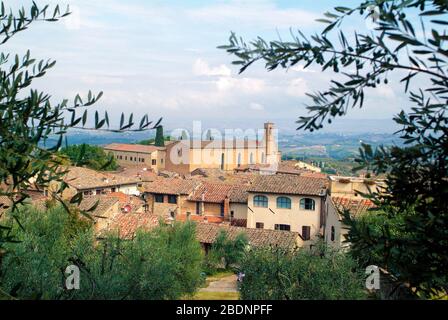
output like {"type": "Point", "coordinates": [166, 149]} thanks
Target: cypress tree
{"type": "Point", "coordinates": [160, 140]}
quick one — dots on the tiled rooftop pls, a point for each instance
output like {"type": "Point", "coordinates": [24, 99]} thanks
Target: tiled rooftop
{"type": "Point", "coordinates": [132, 148]}
{"type": "Point", "coordinates": [84, 178]}
{"type": "Point", "coordinates": [355, 206]}
{"type": "Point", "coordinates": [217, 193]}
{"type": "Point", "coordinates": [105, 203]}
{"type": "Point", "coordinates": [207, 233]}
{"type": "Point", "coordinates": [127, 224]}
{"type": "Point", "coordinates": [288, 184]}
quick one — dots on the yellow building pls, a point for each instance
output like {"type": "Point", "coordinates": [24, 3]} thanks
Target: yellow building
{"type": "Point", "coordinates": [185, 156]}
{"type": "Point", "coordinates": [150, 157]}
{"type": "Point", "coordinates": [288, 202]}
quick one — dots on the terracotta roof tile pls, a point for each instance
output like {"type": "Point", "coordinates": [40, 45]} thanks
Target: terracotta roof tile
{"type": "Point", "coordinates": [218, 192]}
{"type": "Point", "coordinates": [127, 224]}
{"type": "Point", "coordinates": [132, 148]}
{"type": "Point", "coordinates": [207, 233]}
{"type": "Point", "coordinates": [174, 186]}
{"type": "Point", "coordinates": [288, 184]}
{"type": "Point", "coordinates": [355, 206]}
{"type": "Point", "coordinates": [105, 203]}
{"type": "Point", "coordinates": [84, 178]}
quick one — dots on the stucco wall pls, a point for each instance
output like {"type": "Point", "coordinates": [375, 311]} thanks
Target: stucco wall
{"type": "Point", "coordinates": [351, 189]}
{"type": "Point", "coordinates": [239, 210]}
{"type": "Point", "coordinates": [332, 219]}
{"type": "Point", "coordinates": [126, 157]}
{"type": "Point", "coordinates": [295, 217]}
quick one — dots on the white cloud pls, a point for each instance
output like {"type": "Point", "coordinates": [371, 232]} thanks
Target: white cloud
{"type": "Point", "coordinates": [202, 68]}
{"type": "Point", "coordinates": [256, 106]}
{"type": "Point", "coordinates": [246, 85]}
{"type": "Point", "coordinates": [297, 87]}
{"type": "Point", "coordinates": [384, 91]}
{"type": "Point", "coordinates": [300, 68]}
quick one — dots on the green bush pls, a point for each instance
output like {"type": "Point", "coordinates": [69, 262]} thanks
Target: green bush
{"type": "Point", "coordinates": [93, 157]}
{"type": "Point", "coordinates": [162, 264]}
{"type": "Point", "coordinates": [225, 252]}
{"type": "Point", "coordinates": [275, 274]}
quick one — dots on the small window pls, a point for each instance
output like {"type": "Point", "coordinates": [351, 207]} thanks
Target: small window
{"type": "Point", "coordinates": [161, 161]}
{"type": "Point", "coordinates": [306, 232]}
{"type": "Point", "coordinates": [259, 225]}
{"type": "Point", "coordinates": [125, 157]}
{"type": "Point", "coordinates": [332, 233]}
{"type": "Point", "coordinates": [307, 204]}
{"type": "Point", "coordinates": [154, 162]}
{"type": "Point", "coordinates": [158, 198]}
{"type": "Point", "coordinates": [172, 199]}
{"type": "Point", "coordinates": [284, 227]}
{"type": "Point", "coordinates": [98, 191]}
{"type": "Point", "coordinates": [113, 190]}
{"type": "Point", "coordinates": [283, 203]}
{"type": "Point", "coordinates": [130, 158]}
{"type": "Point", "coordinates": [198, 208]}
{"type": "Point", "coordinates": [261, 201]}
{"type": "Point", "coordinates": [222, 210]}
{"type": "Point", "coordinates": [232, 214]}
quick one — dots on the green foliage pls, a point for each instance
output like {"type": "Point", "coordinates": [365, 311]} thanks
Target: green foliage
{"type": "Point", "coordinates": [160, 140]}
{"type": "Point", "coordinates": [93, 157]}
{"type": "Point", "coordinates": [162, 264]}
{"type": "Point", "coordinates": [226, 252]}
{"type": "Point", "coordinates": [416, 195]}
{"type": "Point", "coordinates": [28, 117]}
{"type": "Point", "coordinates": [275, 274]}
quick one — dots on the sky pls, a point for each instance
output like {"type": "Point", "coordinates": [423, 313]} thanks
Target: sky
{"type": "Point", "coordinates": [160, 58]}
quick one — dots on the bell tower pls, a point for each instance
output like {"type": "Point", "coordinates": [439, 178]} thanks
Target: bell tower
{"type": "Point", "coordinates": [270, 141]}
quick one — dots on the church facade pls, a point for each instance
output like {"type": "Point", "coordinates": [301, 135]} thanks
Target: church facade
{"type": "Point", "coordinates": [184, 156]}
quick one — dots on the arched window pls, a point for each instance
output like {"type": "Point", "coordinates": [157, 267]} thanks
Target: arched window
{"type": "Point", "coordinates": [283, 203]}
{"type": "Point", "coordinates": [332, 233]}
{"type": "Point", "coordinates": [239, 159]}
{"type": "Point", "coordinates": [222, 161]}
{"type": "Point", "coordinates": [251, 158]}
{"type": "Point", "coordinates": [307, 204]}
{"type": "Point", "coordinates": [261, 201]}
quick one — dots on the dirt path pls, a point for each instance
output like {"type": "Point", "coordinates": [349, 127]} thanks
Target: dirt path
{"type": "Point", "coordinates": [224, 284]}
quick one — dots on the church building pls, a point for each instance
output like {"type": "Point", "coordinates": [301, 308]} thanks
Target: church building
{"type": "Point", "coordinates": [184, 156]}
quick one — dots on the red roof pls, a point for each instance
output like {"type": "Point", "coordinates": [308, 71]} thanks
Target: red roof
{"type": "Point", "coordinates": [132, 148]}
{"type": "Point", "coordinates": [218, 192]}
{"type": "Point", "coordinates": [355, 206]}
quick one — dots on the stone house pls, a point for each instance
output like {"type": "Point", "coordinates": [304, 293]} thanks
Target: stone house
{"type": "Point", "coordinates": [290, 203]}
